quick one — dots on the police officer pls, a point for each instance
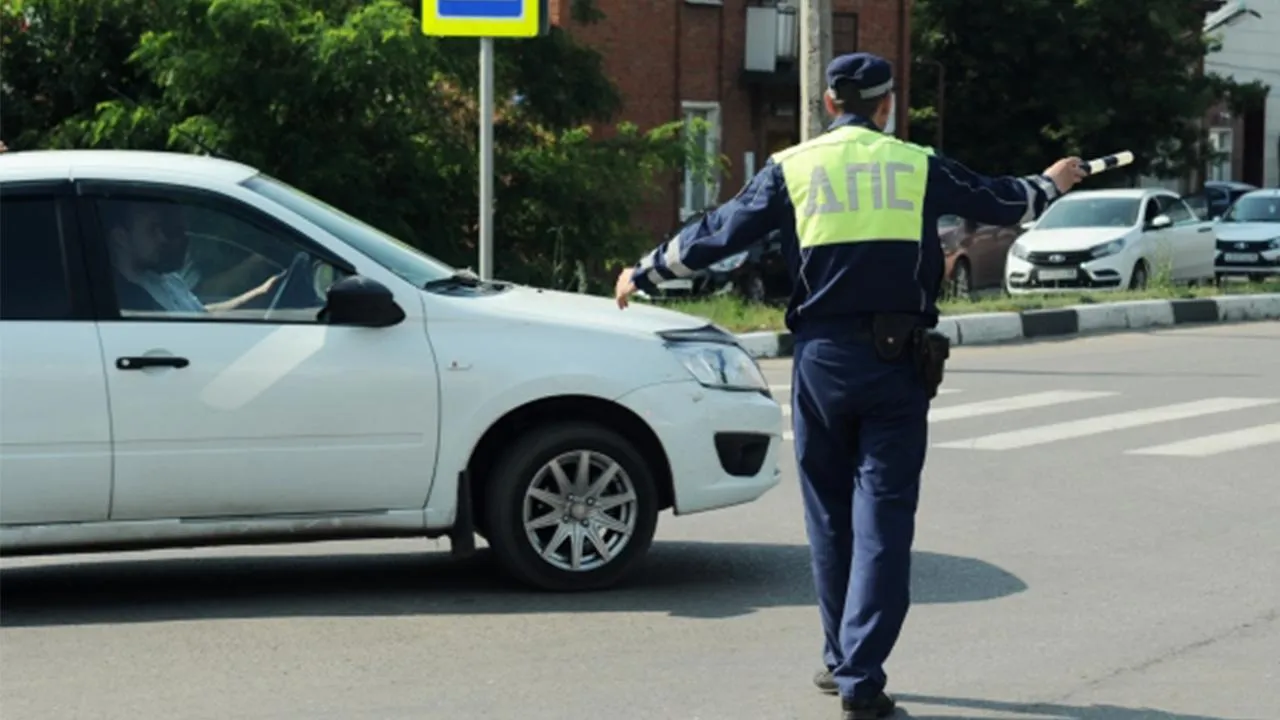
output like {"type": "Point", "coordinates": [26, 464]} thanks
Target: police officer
{"type": "Point", "coordinates": [858, 210]}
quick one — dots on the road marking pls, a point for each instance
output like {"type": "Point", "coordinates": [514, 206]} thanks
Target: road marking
{"type": "Point", "coordinates": [1104, 423]}
{"type": "Point", "coordinates": [1214, 444]}
{"type": "Point", "coordinates": [1010, 404]}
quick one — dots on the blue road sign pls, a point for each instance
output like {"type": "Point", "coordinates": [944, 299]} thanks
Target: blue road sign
{"type": "Point", "coordinates": [484, 18]}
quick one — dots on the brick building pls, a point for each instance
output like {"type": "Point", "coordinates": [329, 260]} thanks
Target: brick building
{"type": "Point", "coordinates": [732, 62]}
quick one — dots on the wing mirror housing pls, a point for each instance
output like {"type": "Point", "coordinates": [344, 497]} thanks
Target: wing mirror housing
{"type": "Point", "coordinates": [1160, 222]}
{"type": "Point", "coordinates": [1028, 225]}
{"type": "Point", "coordinates": [362, 302]}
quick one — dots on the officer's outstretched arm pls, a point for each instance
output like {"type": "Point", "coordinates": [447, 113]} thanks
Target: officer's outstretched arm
{"type": "Point", "coordinates": [1004, 200]}
{"type": "Point", "coordinates": [760, 208]}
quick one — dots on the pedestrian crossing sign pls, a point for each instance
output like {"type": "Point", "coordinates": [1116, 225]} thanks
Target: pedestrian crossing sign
{"type": "Point", "coordinates": [485, 18]}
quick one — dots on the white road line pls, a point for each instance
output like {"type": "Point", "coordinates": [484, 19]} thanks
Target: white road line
{"type": "Point", "coordinates": [1214, 444]}
{"type": "Point", "coordinates": [1104, 423]}
{"type": "Point", "coordinates": [1010, 404]}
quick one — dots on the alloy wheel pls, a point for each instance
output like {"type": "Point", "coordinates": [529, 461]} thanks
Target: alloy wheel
{"type": "Point", "coordinates": [580, 510]}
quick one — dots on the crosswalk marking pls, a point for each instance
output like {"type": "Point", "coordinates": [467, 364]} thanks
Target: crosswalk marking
{"type": "Point", "coordinates": [1214, 444]}
{"type": "Point", "coordinates": [1010, 404]}
{"type": "Point", "coordinates": [1104, 423]}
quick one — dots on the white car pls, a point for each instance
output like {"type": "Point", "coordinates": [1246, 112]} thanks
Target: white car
{"type": "Point", "coordinates": [1111, 240]}
{"type": "Point", "coordinates": [368, 391]}
{"type": "Point", "coordinates": [1249, 236]}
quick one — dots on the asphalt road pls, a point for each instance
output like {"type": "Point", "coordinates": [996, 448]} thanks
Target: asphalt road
{"type": "Point", "coordinates": [1058, 574]}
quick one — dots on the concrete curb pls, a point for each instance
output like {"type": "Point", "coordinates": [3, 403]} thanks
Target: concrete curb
{"type": "Point", "coordinates": [996, 328]}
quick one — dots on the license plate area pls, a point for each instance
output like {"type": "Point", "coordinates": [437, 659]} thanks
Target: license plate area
{"type": "Point", "coordinates": [1240, 257]}
{"type": "Point", "coordinates": [1057, 274]}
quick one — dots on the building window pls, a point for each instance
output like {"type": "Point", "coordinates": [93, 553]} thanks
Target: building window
{"type": "Point", "coordinates": [1221, 145]}
{"type": "Point", "coordinates": [700, 192]}
{"type": "Point", "coordinates": [844, 33]}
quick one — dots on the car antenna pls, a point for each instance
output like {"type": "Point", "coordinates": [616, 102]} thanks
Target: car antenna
{"type": "Point", "coordinates": [194, 140]}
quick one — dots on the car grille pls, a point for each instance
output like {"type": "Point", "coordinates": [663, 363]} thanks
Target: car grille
{"type": "Point", "coordinates": [1243, 246]}
{"type": "Point", "coordinates": [1056, 259]}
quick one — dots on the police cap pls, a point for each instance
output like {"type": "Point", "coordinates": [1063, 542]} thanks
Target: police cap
{"type": "Point", "coordinates": [870, 75]}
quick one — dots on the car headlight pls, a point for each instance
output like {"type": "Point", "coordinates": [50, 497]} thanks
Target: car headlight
{"type": "Point", "coordinates": [1019, 251]}
{"type": "Point", "coordinates": [731, 263]}
{"type": "Point", "coordinates": [1105, 249]}
{"type": "Point", "coordinates": [727, 367]}
{"type": "Point", "coordinates": [1274, 244]}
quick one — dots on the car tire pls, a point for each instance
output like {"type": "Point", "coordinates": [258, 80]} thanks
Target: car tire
{"type": "Point", "coordinates": [1138, 279]}
{"type": "Point", "coordinates": [523, 487]}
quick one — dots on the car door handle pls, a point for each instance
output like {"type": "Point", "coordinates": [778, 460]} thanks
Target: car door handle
{"type": "Point", "coordinates": [1204, 230]}
{"type": "Point", "coordinates": [147, 361]}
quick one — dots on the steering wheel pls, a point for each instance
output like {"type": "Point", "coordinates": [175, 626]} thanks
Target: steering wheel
{"type": "Point", "coordinates": [296, 269]}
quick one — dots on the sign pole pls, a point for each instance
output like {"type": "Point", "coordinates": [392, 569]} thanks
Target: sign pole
{"type": "Point", "coordinates": [486, 158]}
{"type": "Point", "coordinates": [486, 20]}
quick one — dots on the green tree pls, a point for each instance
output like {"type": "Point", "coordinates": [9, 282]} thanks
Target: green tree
{"type": "Point", "coordinates": [349, 101]}
{"type": "Point", "coordinates": [1027, 81]}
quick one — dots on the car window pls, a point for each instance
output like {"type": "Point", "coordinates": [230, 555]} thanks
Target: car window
{"type": "Point", "coordinates": [406, 261]}
{"type": "Point", "coordinates": [33, 267]}
{"type": "Point", "coordinates": [1090, 211]}
{"type": "Point", "coordinates": [1254, 208]}
{"type": "Point", "coordinates": [176, 257]}
{"type": "Point", "coordinates": [1177, 211]}
{"type": "Point", "coordinates": [1198, 204]}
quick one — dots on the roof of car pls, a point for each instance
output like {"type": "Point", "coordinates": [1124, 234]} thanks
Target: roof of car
{"type": "Point", "coordinates": [50, 164]}
{"type": "Point", "coordinates": [1230, 185]}
{"type": "Point", "coordinates": [1263, 192]}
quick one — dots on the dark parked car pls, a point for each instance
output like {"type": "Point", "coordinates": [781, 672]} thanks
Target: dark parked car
{"type": "Point", "coordinates": [1218, 195]}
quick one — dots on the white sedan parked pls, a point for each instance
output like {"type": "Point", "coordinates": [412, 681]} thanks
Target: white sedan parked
{"type": "Point", "coordinates": [1111, 240]}
{"type": "Point", "coordinates": [192, 352]}
{"type": "Point", "coordinates": [1249, 236]}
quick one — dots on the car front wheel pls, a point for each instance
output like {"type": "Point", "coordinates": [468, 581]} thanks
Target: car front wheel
{"type": "Point", "coordinates": [571, 506]}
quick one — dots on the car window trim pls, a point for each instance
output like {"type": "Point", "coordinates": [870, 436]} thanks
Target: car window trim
{"type": "Point", "coordinates": [75, 271]}
{"type": "Point", "coordinates": [98, 258]}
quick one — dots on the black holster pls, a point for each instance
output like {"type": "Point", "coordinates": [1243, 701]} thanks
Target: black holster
{"type": "Point", "coordinates": [932, 349]}
{"type": "Point", "coordinates": [894, 334]}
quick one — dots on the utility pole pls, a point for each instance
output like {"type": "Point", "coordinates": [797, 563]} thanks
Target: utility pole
{"type": "Point", "coordinates": [815, 53]}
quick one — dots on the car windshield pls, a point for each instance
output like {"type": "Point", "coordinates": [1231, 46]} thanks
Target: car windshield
{"type": "Point", "coordinates": [1090, 212]}
{"type": "Point", "coordinates": [1259, 208]}
{"type": "Point", "coordinates": [408, 262]}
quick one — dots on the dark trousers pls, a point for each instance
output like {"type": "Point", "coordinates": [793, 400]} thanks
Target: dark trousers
{"type": "Point", "coordinates": [861, 427]}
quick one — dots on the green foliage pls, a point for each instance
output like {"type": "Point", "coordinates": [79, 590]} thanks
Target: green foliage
{"type": "Point", "coordinates": [348, 100]}
{"type": "Point", "coordinates": [1028, 81]}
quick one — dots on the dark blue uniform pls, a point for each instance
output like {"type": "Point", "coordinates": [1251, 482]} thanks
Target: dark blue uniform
{"type": "Point", "coordinates": [861, 422]}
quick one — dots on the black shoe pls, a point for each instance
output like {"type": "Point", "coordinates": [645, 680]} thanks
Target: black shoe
{"type": "Point", "coordinates": [825, 682]}
{"type": "Point", "coordinates": [882, 706]}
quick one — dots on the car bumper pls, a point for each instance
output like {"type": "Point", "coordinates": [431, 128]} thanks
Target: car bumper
{"type": "Point", "coordinates": [722, 446]}
{"type": "Point", "coordinates": [1247, 262]}
{"type": "Point", "coordinates": [1107, 273]}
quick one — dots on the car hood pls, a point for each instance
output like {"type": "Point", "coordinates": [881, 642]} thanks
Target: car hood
{"type": "Point", "coordinates": [1228, 232]}
{"type": "Point", "coordinates": [538, 305]}
{"type": "Point", "coordinates": [1070, 238]}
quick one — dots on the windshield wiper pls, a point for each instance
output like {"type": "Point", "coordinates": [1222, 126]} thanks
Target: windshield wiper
{"type": "Point", "coordinates": [462, 278]}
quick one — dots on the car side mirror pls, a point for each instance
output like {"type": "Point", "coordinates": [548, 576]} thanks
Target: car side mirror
{"type": "Point", "coordinates": [362, 302]}
{"type": "Point", "coordinates": [1027, 225]}
{"type": "Point", "coordinates": [1160, 222]}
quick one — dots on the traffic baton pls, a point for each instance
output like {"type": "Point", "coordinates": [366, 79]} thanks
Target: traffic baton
{"type": "Point", "coordinates": [1107, 162]}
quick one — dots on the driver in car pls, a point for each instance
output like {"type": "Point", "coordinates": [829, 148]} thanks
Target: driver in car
{"type": "Point", "coordinates": [148, 244]}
